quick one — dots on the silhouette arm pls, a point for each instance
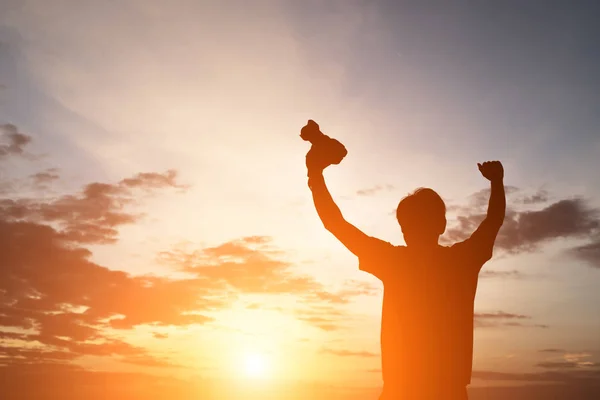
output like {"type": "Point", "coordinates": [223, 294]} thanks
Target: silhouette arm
{"type": "Point", "coordinates": [374, 254]}
{"type": "Point", "coordinates": [353, 238]}
{"type": "Point", "coordinates": [484, 237]}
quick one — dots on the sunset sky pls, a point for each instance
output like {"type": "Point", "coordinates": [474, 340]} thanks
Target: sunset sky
{"type": "Point", "coordinates": [157, 232]}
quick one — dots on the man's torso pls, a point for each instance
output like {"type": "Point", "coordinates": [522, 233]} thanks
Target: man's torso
{"type": "Point", "coordinates": [427, 319]}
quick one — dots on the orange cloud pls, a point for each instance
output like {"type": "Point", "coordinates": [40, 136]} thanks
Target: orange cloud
{"type": "Point", "coordinates": [349, 353]}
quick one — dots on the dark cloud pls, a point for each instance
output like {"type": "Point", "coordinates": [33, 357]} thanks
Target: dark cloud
{"type": "Point", "coordinates": [375, 189]}
{"type": "Point", "coordinates": [479, 200]}
{"type": "Point", "coordinates": [501, 318]}
{"type": "Point", "coordinates": [536, 391]}
{"type": "Point", "coordinates": [541, 196]}
{"type": "Point", "coordinates": [41, 179]}
{"type": "Point", "coordinates": [12, 142]}
{"type": "Point", "coordinates": [525, 231]}
{"type": "Point", "coordinates": [570, 360]}
{"type": "Point", "coordinates": [552, 351]}
{"type": "Point", "coordinates": [500, 315]}
{"type": "Point", "coordinates": [565, 218]}
{"type": "Point", "coordinates": [564, 364]}
{"type": "Point", "coordinates": [500, 274]}
{"type": "Point", "coordinates": [349, 353]}
{"type": "Point", "coordinates": [589, 253]}
{"type": "Point", "coordinates": [583, 376]}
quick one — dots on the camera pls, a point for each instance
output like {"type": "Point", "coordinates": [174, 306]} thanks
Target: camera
{"type": "Point", "coordinates": [323, 148]}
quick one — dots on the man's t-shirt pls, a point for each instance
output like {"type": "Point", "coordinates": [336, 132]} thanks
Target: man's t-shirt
{"type": "Point", "coordinates": [427, 318]}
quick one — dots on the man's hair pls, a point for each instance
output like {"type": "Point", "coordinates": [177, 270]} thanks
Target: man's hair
{"type": "Point", "coordinates": [424, 208]}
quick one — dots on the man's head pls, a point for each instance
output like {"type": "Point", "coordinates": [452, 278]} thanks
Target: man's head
{"type": "Point", "coordinates": [422, 217]}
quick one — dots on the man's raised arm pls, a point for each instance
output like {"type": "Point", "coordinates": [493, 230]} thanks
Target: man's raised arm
{"type": "Point", "coordinates": [353, 238]}
{"type": "Point", "coordinates": [485, 235]}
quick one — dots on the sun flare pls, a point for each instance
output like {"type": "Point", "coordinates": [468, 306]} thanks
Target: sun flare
{"type": "Point", "coordinates": [256, 365]}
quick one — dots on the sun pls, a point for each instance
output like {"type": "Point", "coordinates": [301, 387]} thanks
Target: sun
{"type": "Point", "coordinates": [256, 365]}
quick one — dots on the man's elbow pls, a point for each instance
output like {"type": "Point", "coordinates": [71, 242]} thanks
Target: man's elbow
{"type": "Point", "coordinates": [333, 225]}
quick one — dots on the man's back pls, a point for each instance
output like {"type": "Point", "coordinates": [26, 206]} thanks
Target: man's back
{"type": "Point", "coordinates": [427, 319]}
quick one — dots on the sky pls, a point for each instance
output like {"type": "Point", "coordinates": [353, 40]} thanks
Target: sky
{"type": "Point", "coordinates": [157, 233]}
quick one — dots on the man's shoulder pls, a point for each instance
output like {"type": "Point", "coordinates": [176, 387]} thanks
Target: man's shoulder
{"type": "Point", "coordinates": [394, 250]}
{"type": "Point", "coordinates": [468, 251]}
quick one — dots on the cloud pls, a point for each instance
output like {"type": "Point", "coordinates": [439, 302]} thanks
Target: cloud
{"type": "Point", "coordinates": [526, 230]}
{"type": "Point", "coordinates": [375, 189]}
{"type": "Point", "coordinates": [479, 200]}
{"type": "Point", "coordinates": [324, 317]}
{"type": "Point", "coordinates": [42, 273]}
{"type": "Point", "coordinates": [91, 216]}
{"type": "Point", "coordinates": [501, 318]}
{"type": "Point", "coordinates": [541, 196]}
{"type": "Point", "coordinates": [500, 315]}
{"type": "Point", "coordinates": [589, 253]}
{"type": "Point", "coordinates": [588, 390]}
{"type": "Point", "coordinates": [350, 290]}
{"type": "Point", "coordinates": [153, 180]}
{"type": "Point", "coordinates": [251, 265]}
{"type": "Point", "coordinates": [566, 364]}
{"type": "Point", "coordinates": [41, 179]}
{"type": "Point", "coordinates": [348, 353]}
{"type": "Point", "coordinates": [500, 274]}
{"type": "Point", "coordinates": [570, 377]}
{"type": "Point", "coordinates": [567, 372]}
{"type": "Point", "coordinates": [54, 298]}
{"type": "Point", "coordinates": [16, 141]}
{"type": "Point", "coordinates": [145, 360]}
{"type": "Point", "coordinates": [75, 307]}
{"type": "Point", "coordinates": [158, 335]}
{"type": "Point", "coordinates": [246, 265]}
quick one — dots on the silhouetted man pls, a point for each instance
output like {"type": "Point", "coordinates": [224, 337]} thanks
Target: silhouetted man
{"type": "Point", "coordinates": [429, 289]}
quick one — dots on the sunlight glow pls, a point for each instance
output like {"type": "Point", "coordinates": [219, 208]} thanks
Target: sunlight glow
{"type": "Point", "coordinates": [256, 365]}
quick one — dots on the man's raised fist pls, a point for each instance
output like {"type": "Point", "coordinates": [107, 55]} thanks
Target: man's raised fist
{"type": "Point", "coordinates": [492, 170]}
